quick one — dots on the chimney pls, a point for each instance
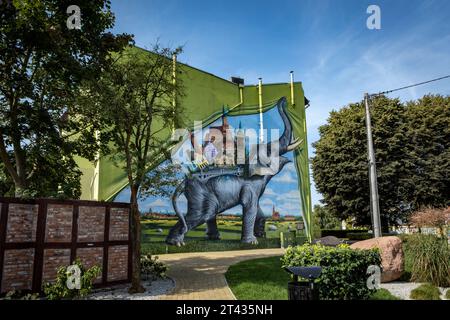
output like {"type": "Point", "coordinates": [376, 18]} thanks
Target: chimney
{"type": "Point", "coordinates": [237, 80]}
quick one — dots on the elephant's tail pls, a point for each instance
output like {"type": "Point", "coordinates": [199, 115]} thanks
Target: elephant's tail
{"type": "Point", "coordinates": [179, 189]}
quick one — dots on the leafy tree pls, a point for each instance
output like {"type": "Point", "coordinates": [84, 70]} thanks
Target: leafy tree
{"type": "Point", "coordinates": [324, 219]}
{"type": "Point", "coordinates": [428, 152]}
{"type": "Point", "coordinates": [412, 151]}
{"type": "Point", "coordinates": [134, 99]}
{"type": "Point", "coordinates": [160, 181]}
{"type": "Point", "coordinates": [42, 64]}
{"type": "Point", "coordinates": [432, 217]}
{"type": "Point", "coordinates": [5, 182]}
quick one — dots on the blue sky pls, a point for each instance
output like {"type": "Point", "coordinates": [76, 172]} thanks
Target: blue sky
{"type": "Point", "coordinates": [326, 43]}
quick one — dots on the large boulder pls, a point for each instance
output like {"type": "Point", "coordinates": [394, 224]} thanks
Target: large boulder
{"type": "Point", "coordinates": [391, 251]}
{"type": "Point", "coordinates": [329, 241]}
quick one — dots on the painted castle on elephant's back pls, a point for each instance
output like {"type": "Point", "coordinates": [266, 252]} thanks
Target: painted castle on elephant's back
{"type": "Point", "coordinates": [245, 107]}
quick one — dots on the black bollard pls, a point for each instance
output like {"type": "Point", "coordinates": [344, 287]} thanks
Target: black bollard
{"type": "Point", "coordinates": [303, 290]}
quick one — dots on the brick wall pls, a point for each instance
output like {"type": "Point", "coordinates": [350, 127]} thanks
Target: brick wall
{"type": "Point", "coordinates": [118, 225]}
{"type": "Point", "coordinates": [53, 259]}
{"type": "Point", "coordinates": [39, 236]}
{"type": "Point", "coordinates": [59, 223]}
{"type": "Point", "coordinates": [18, 269]}
{"type": "Point", "coordinates": [91, 224]}
{"type": "Point", "coordinates": [22, 220]}
{"type": "Point", "coordinates": [117, 262]}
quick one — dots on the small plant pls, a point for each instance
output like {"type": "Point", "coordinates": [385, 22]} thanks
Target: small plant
{"type": "Point", "coordinates": [383, 294]}
{"type": "Point", "coordinates": [18, 295]}
{"type": "Point", "coordinates": [447, 295]}
{"type": "Point", "coordinates": [430, 260]}
{"type": "Point", "coordinates": [59, 289]}
{"type": "Point", "coordinates": [151, 268]}
{"type": "Point", "coordinates": [426, 291]}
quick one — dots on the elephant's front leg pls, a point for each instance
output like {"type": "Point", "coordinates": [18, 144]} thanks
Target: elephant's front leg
{"type": "Point", "coordinates": [176, 234]}
{"type": "Point", "coordinates": [178, 231]}
{"type": "Point", "coordinates": [250, 209]}
{"type": "Point", "coordinates": [212, 232]}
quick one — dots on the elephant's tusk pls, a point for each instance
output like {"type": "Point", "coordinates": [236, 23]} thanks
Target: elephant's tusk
{"type": "Point", "coordinates": [297, 142]}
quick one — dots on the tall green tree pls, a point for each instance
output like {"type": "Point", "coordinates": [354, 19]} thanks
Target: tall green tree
{"type": "Point", "coordinates": [412, 153]}
{"type": "Point", "coordinates": [428, 151]}
{"type": "Point", "coordinates": [324, 219]}
{"type": "Point", "coordinates": [42, 64]}
{"type": "Point", "coordinates": [135, 99]}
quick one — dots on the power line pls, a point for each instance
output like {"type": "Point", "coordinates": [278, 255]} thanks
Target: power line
{"type": "Point", "coordinates": [410, 86]}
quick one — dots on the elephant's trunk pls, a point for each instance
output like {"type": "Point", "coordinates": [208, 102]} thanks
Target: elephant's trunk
{"type": "Point", "coordinates": [285, 144]}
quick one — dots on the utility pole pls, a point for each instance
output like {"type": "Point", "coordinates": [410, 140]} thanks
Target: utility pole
{"type": "Point", "coordinates": [373, 184]}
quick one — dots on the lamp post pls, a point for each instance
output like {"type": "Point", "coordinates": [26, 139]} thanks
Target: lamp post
{"type": "Point", "coordinates": [373, 184]}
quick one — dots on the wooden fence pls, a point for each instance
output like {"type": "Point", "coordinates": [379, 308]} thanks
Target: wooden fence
{"type": "Point", "coordinates": [38, 236]}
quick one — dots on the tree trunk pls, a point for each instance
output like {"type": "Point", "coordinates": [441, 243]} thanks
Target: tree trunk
{"type": "Point", "coordinates": [20, 189]}
{"type": "Point", "coordinates": [136, 286]}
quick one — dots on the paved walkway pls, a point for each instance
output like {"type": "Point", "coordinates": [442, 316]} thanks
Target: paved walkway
{"type": "Point", "coordinates": [201, 275]}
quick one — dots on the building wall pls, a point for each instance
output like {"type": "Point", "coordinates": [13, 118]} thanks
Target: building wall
{"type": "Point", "coordinates": [204, 97]}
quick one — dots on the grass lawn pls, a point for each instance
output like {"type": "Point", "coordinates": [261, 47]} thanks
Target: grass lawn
{"type": "Point", "coordinates": [263, 279]}
{"type": "Point", "coordinates": [259, 279]}
{"type": "Point", "coordinates": [230, 231]}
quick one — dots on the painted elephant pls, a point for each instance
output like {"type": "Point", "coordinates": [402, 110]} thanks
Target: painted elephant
{"type": "Point", "coordinates": [206, 199]}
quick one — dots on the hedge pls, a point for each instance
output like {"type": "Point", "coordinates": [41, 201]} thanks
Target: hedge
{"type": "Point", "coordinates": [359, 236]}
{"type": "Point", "coordinates": [342, 233]}
{"type": "Point", "coordinates": [365, 236]}
{"type": "Point", "coordinates": [344, 270]}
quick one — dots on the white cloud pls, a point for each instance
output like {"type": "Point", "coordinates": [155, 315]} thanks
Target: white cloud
{"type": "Point", "coordinates": [290, 167]}
{"type": "Point", "coordinates": [285, 177]}
{"type": "Point", "coordinates": [292, 195]}
{"type": "Point", "coordinates": [270, 192]}
{"type": "Point", "coordinates": [159, 203]}
{"type": "Point", "coordinates": [266, 202]}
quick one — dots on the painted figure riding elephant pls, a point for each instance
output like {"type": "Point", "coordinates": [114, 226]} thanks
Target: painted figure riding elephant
{"type": "Point", "coordinates": [207, 198]}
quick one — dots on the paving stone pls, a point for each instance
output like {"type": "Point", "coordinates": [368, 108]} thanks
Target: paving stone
{"type": "Point", "coordinates": [201, 275]}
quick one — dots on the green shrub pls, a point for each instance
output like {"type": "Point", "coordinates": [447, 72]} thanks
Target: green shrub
{"type": "Point", "coordinates": [59, 289]}
{"type": "Point", "coordinates": [447, 294]}
{"type": "Point", "coordinates": [406, 276]}
{"type": "Point", "coordinates": [344, 270]}
{"type": "Point", "coordinates": [430, 260]}
{"type": "Point", "coordinates": [359, 236]}
{"type": "Point", "coordinates": [383, 294]}
{"type": "Point", "coordinates": [151, 268]}
{"type": "Point", "coordinates": [405, 237]}
{"type": "Point", "coordinates": [341, 233]}
{"type": "Point", "coordinates": [426, 291]}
